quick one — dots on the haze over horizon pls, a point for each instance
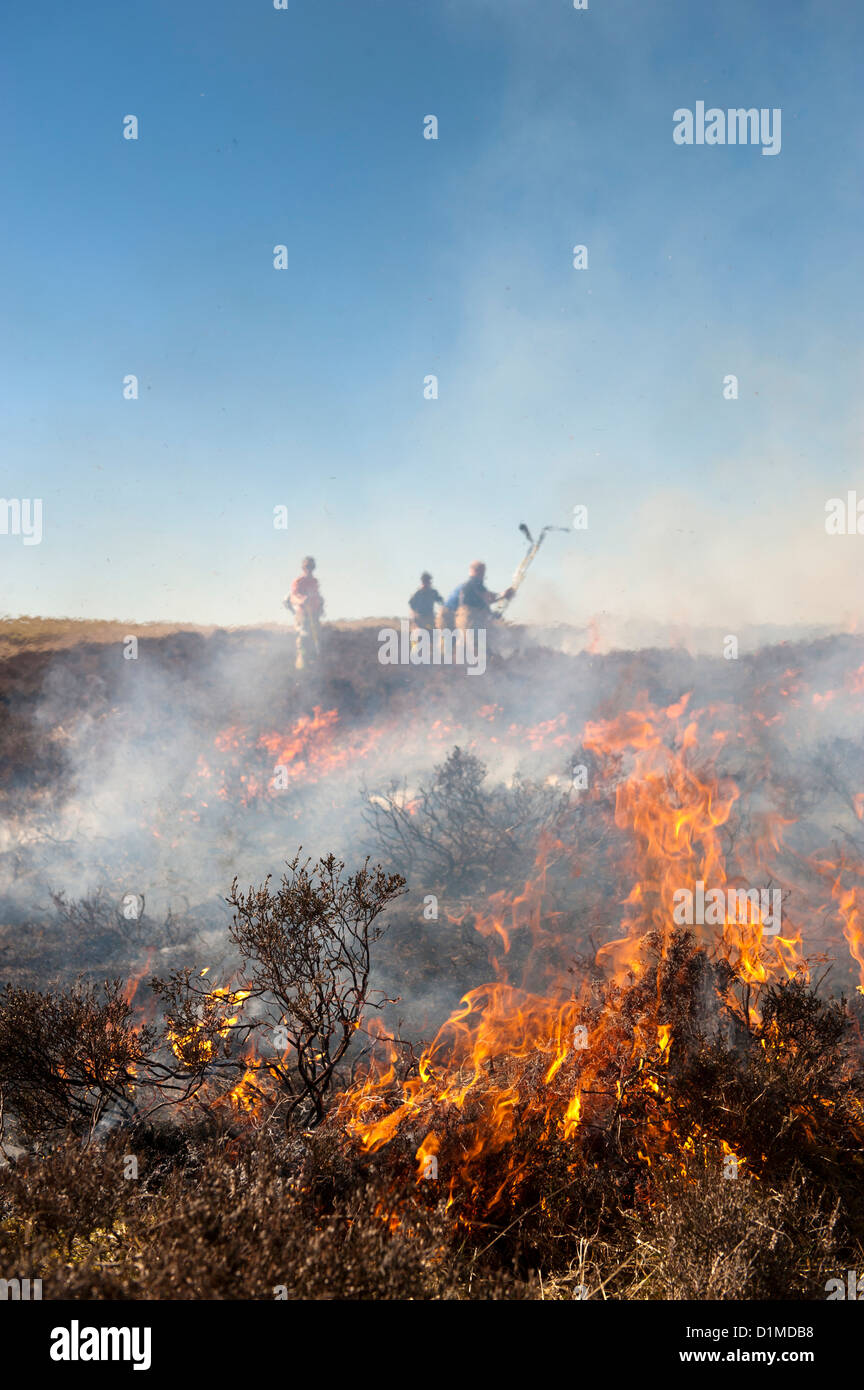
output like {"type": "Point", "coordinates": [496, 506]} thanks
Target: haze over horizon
{"type": "Point", "coordinates": [407, 257]}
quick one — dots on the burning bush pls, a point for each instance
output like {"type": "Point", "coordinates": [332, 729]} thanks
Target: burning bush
{"type": "Point", "coordinates": [306, 952]}
{"type": "Point", "coordinates": [734, 1113]}
{"type": "Point", "coordinates": [713, 1159]}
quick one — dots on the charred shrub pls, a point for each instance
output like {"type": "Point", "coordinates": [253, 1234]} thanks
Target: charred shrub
{"type": "Point", "coordinates": [456, 831]}
{"type": "Point", "coordinates": [68, 1059]}
{"type": "Point", "coordinates": [106, 928]}
{"type": "Point", "coordinates": [306, 949]}
{"type": "Point", "coordinates": [308, 952]}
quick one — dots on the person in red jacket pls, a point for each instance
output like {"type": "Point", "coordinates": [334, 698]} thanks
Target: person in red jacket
{"type": "Point", "coordinates": [307, 605]}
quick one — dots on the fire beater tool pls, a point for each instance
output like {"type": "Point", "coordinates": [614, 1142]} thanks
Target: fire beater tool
{"type": "Point", "coordinates": [533, 547]}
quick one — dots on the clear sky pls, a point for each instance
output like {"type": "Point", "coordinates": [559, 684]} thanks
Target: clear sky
{"type": "Point", "coordinates": [304, 387]}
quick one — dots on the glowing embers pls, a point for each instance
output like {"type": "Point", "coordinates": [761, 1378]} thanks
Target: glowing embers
{"type": "Point", "coordinates": [249, 764]}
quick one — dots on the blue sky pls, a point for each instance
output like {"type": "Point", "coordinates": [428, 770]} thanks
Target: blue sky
{"type": "Point", "coordinates": [304, 387]}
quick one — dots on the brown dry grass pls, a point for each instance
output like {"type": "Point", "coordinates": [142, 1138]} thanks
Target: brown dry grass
{"type": "Point", "coordinates": [57, 634]}
{"type": "Point", "coordinates": [33, 634]}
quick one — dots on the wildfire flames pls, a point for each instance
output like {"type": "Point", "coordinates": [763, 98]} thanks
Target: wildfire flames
{"type": "Point", "coordinates": [484, 1064]}
{"type": "Point", "coordinates": [247, 765]}
{"type": "Point", "coordinates": [546, 1049]}
{"type": "Point", "coordinates": [315, 746]}
{"type": "Point", "coordinates": [593, 941]}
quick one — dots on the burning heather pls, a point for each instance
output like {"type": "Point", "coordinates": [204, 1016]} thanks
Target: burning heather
{"type": "Point", "coordinates": [548, 984]}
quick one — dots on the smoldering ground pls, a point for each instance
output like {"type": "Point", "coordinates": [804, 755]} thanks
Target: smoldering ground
{"type": "Point", "coordinates": [209, 756]}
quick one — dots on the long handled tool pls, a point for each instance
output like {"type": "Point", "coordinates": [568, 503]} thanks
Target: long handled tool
{"type": "Point", "coordinates": [522, 570]}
